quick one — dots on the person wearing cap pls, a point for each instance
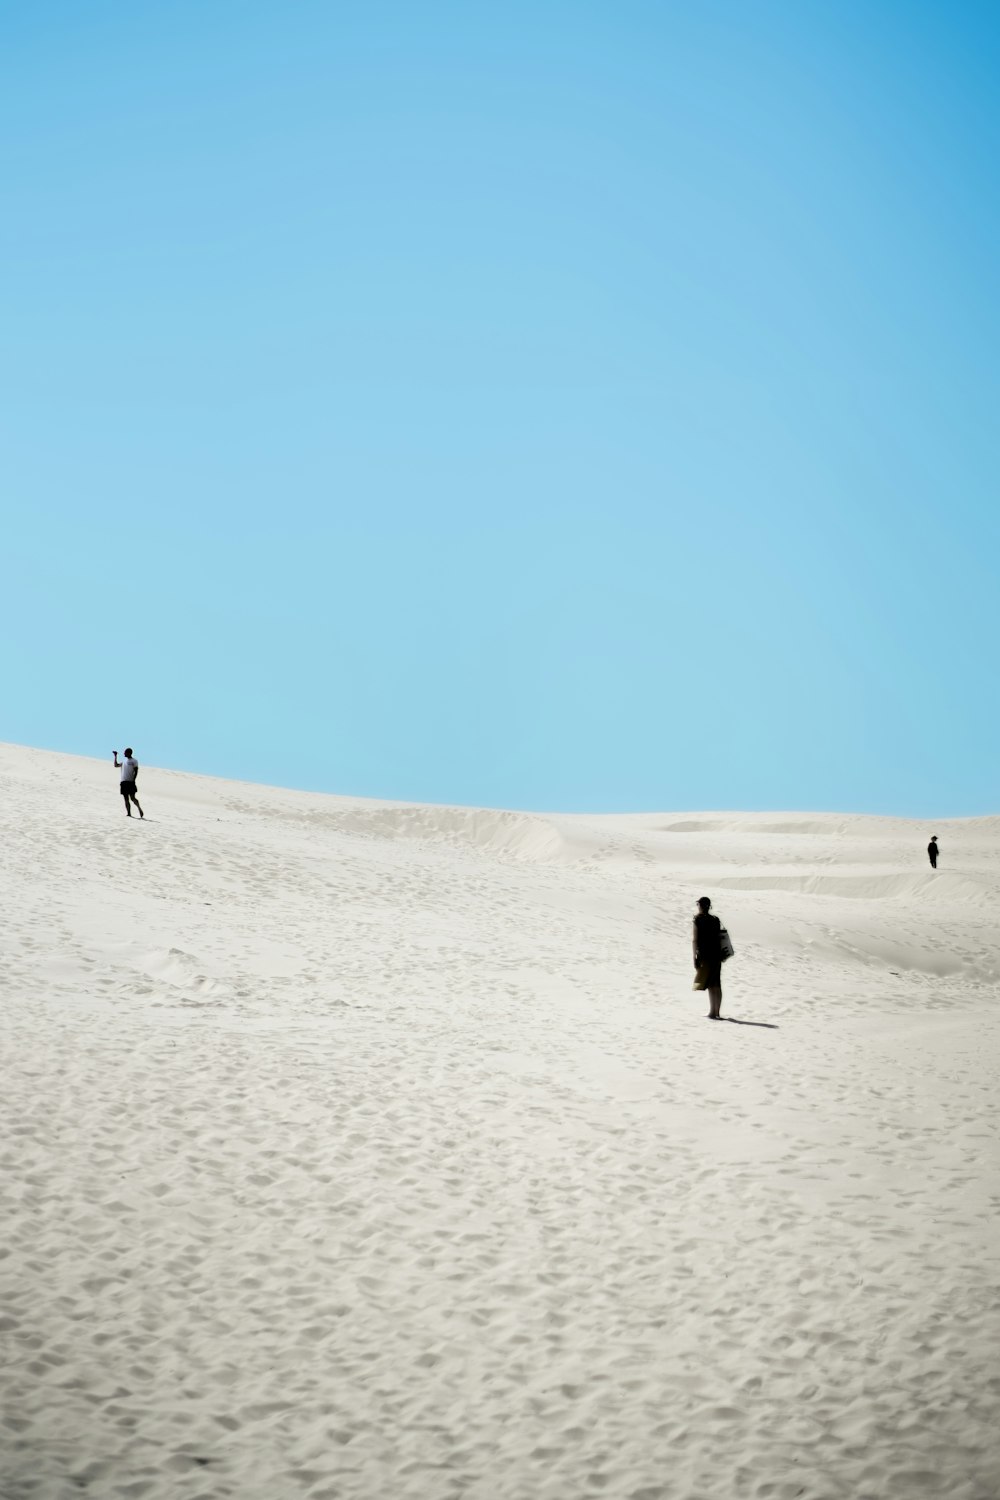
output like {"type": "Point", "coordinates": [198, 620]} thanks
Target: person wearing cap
{"type": "Point", "coordinates": [129, 767]}
{"type": "Point", "coordinates": [932, 851]}
{"type": "Point", "coordinates": [706, 943]}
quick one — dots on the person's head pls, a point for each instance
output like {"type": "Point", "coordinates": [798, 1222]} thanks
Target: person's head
{"type": "Point", "coordinates": [933, 838]}
{"type": "Point", "coordinates": [704, 904]}
{"type": "Point", "coordinates": [128, 749]}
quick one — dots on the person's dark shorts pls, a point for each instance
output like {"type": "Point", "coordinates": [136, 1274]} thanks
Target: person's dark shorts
{"type": "Point", "coordinates": [713, 970]}
{"type": "Point", "coordinates": [128, 789]}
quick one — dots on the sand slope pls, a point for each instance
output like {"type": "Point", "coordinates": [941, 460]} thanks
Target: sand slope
{"type": "Point", "coordinates": [360, 1150]}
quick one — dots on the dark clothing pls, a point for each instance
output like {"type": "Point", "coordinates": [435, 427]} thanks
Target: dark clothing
{"type": "Point", "coordinates": [713, 974]}
{"type": "Point", "coordinates": [707, 937]}
{"type": "Point", "coordinates": [128, 788]}
{"type": "Point", "coordinates": [708, 947]}
{"type": "Point", "coordinates": [932, 854]}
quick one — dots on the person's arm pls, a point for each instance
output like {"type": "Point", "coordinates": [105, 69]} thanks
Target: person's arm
{"type": "Point", "coordinates": [117, 761]}
{"type": "Point", "coordinates": [694, 943]}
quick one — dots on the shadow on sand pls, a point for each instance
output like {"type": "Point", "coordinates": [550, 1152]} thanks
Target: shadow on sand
{"type": "Point", "coordinates": [770, 1025]}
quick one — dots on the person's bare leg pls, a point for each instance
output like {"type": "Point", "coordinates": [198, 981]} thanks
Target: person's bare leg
{"type": "Point", "coordinates": [714, 1003]}
{"type": "Point", "coordinates": [136, 801]}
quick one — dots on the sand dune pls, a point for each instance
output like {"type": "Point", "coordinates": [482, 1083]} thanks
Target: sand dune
{"type": "Point", "coordinates": [370, 1151]}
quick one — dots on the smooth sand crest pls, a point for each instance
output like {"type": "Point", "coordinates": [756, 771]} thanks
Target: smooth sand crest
{"type": "Point", "coordinates": [362, 1150]}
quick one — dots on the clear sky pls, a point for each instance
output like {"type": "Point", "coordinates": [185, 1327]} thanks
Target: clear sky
{"type": "Point", "coordinates": [546, 405]}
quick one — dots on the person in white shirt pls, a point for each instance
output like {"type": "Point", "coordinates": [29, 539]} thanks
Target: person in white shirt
{"type": "Point", "coordinates": [129, 767]}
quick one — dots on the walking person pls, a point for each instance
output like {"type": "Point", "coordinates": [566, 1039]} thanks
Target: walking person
{"type": "Point", "coordinates": [932, 851]}
{"type": "Point", "coordinates": [706, 945]}
{"type": "Point", "coordinates": [129, 767]}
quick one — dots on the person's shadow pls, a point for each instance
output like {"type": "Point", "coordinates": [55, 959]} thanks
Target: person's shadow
{"type": "Point", "coordinates": [770, 1025]}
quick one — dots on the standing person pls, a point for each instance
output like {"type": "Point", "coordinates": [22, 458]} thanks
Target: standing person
{"type": "Point", "coordinates": [129, 768]}
{"type": "Point", "coordinates": [932, 851]}
{"type": "Point", "coordinates": [706, 944]}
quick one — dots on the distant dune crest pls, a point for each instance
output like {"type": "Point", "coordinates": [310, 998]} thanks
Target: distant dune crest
{"type": "Point", "coordinates": [522, 835]}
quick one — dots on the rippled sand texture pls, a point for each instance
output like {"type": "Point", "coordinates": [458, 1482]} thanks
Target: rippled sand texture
{"type": "Point", "coordinates": [354, 1150]}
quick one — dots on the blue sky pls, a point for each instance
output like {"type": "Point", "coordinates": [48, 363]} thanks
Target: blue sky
{"type": "Point", "coordinates": [559, 406]}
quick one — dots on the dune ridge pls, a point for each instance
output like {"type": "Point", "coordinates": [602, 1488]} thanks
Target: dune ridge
{"type": "Point", "coordinates": [353, 1149]}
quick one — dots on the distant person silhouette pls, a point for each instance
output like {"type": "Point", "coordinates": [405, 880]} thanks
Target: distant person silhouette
{"type": "Point", "coordinates": [129, 768]}
{"type": "Point", "coordinates": [706, 944]}
{"type": "Point", "coordinates": [932, 852]}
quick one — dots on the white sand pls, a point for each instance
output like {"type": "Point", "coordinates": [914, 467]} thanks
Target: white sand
{"type": "Point", "coordinates": [374, 1151]}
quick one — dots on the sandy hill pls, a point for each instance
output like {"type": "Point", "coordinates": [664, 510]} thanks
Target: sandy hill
{"type": "Point", "coordinates": [356, 1149]}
